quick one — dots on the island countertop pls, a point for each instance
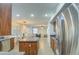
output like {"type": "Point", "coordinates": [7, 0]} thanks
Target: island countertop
{"type": "Point", "coordinates": [20, 39]}
{"type": "Point", "coordinates": [30, 39]}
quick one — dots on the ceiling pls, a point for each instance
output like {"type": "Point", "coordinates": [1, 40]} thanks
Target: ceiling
{"type": "Point", "coordinates": [33, 13]}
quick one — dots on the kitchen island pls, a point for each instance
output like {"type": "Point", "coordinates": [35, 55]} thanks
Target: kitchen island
{"type": "Point", "coordinates": [29, 45]}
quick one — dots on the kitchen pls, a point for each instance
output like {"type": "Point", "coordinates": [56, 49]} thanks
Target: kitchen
{"type": "Point", "coordinates": [22, 31]}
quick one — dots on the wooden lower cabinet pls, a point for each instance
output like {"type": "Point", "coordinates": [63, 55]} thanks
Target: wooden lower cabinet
{"type": "Point", "coordinates": [29, 47]}
{"type": "Point", "coordinates": [0, 46]}
{"type": "Point", "coordinates": [53, 44]}
{"type": "Point", "coordinates": [11, 43]}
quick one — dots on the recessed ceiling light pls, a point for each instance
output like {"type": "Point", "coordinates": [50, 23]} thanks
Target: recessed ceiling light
{"type": "Point", "coordinates": [17, 15]}
{"type": "Point", "coordinates": [32, 15]}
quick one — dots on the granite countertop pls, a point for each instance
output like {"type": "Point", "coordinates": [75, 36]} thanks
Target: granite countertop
{"type": "Point", "coordinates": [3, 38]}
{"type": "Point", "coordinates": [30, 39]}
{"type": "Point", "coordinates": [24, 39]}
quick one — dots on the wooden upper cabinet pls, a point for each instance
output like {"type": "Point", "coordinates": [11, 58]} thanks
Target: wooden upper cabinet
{"type": "Point", "coordinates": [5, 18]}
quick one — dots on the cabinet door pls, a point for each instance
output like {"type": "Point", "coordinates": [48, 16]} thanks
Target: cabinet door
{"type": "Point", "coordinates": [11, 43]}
{"type": "Point", "coordinates": [27, 48]}
{"type": "Point", "coordinates": [34, 48]}
{"type": "Point", "coordinates": [22, 46]}
{"type": "Point", "coordinates": [53, 43]}
{"type": "Point", "coordinates": [5, 19]}
{"type": "Point", "coordinates": [0, 46]}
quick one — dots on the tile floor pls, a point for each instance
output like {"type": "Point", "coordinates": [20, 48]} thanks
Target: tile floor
{"type": "Point", "coordinates": [44, 48]}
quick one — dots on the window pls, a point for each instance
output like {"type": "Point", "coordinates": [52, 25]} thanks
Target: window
{"type": "Point", "coordinates": [35, 30]}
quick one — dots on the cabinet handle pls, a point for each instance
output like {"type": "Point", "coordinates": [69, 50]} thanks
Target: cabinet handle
{"type": "Point", "coordinates": [29, 45]}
